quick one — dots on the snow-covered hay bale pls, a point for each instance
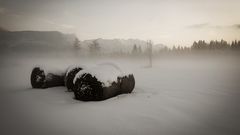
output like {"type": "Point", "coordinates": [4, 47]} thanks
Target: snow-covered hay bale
{"type": "Point", "coordinates": [70, 74]}
{"type": "Point", "coordinates": [37, 77]}
{"type": "Point", "coordinates": [41, 78]}
{"type": "Point", "coordinates": [102, 82]}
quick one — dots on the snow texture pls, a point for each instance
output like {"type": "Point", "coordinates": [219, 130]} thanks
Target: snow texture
{"type": "Point", "coordinates": [107, 73]}
{"type": "Point", "coordinates": [177, 96]}
{"type": "Point", "coordinates": [70, 68]}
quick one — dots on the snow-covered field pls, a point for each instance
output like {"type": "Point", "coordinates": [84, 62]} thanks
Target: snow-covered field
{"type": "Point", "coordinates": [177, 96]}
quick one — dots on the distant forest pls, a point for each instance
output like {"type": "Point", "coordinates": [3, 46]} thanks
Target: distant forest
{"type": "Point", "coordinates": [197, 46]}
{"type": "Point", "coordinates": [201, 45]}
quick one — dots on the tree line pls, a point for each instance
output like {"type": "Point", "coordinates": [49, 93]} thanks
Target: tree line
{"type": "Point", "coordinates": [215, 45]}
{"type": "Point", "coordinates": [137, 50]}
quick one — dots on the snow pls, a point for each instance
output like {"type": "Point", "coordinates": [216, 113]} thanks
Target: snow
{"type": "Point", "coordinates": [52, 69]}
{"type": "Point", "coordinates": [185, 96]}
{"type": "Point", "coordinates": [107, 73]}
{"type": "Point", "coordinates": [70, 68]}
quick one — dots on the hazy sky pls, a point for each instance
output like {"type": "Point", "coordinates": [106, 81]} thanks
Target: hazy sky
{"type": "Point", "coordinates": [171, 22]}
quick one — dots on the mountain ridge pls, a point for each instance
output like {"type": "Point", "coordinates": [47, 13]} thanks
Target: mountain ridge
{"type": "Point", "coordinates": [27, 41]}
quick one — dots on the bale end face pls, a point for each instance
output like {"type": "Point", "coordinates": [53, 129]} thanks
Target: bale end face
{"type": "Point", "coordinates": [70, 76]}
{"type": "Point", "coordinates": [127, 83]}
{"type": "Point", "coordinates": [88, 88]}
{"type": "Point", "coordinates": [37, 78]}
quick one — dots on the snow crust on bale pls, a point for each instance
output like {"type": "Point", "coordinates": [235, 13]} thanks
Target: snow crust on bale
{"type": "Point", "coordinates": [107, 73]}
{"type": "Point", "coordinates": [70, 75]}
{"type": "Point", "coordinates": [70, 68]}
{"type": "Point", "coordinates": [52, 70]}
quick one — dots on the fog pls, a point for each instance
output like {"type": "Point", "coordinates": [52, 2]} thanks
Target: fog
{"type": "Point", "coordinates": [164, 21]}
{"type": "Point", "coordinates": [184, 56]}
{"type": "Point", "coordinates": [179, 94]}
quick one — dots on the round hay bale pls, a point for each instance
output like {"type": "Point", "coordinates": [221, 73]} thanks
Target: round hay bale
{"type": "Point", "coordinates": [42, 79]}
{"type": "Point", "coordinates": [102, 82]}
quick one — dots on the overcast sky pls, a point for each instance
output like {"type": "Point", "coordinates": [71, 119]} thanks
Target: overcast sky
{"type": "Point", "coordinates": [171, 22]}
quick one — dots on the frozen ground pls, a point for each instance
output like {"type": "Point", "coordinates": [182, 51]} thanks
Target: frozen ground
{"type": "Point", "coordinates": [179, 96]}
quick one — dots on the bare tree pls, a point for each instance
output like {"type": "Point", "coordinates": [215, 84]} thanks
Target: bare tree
{"type": "Point", "coordinates": [94, 47]}
{"type": "Point", "coordinates": [77, 46]}
{"type": "Point", "coordinates": [149, 46]}
{"type": "Point", "coordinates": [134, 50]}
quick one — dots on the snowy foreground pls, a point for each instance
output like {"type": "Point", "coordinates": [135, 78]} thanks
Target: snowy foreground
{"type": "Point", "coordinates": [177, 96]}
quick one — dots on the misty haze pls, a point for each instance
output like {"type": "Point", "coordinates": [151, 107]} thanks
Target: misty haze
{"type": "Point", "coordinates": [106, 67]}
